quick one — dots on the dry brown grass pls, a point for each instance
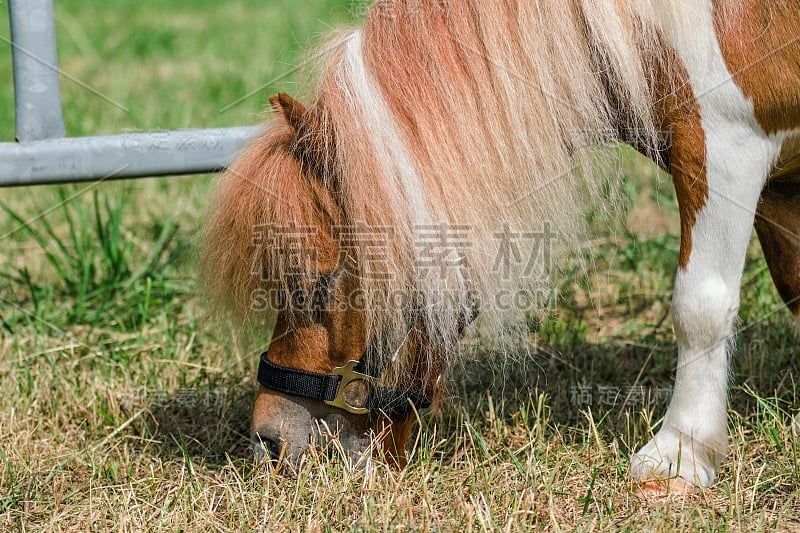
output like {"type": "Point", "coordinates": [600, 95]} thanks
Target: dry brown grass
{"type": "Point", "coordinates": [121, 410]}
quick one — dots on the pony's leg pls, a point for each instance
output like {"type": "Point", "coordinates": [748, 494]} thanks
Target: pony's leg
{"type": "Point", "coordinates": [778, 228]}
{"type": "Point", "coordinates": [693, 438]}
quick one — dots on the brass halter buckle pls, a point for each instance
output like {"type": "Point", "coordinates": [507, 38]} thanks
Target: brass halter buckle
{"type": "Point", "coordinates": [349, 375]}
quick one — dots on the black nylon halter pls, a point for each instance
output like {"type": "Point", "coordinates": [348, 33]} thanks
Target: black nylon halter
{"type": "Point", "coordinates": [329, 388]}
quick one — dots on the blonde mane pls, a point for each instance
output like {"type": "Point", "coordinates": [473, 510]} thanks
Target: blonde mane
{"type": "Point", "coordinates": [449, 130]}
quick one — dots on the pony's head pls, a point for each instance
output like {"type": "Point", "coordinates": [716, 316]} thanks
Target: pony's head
{"type": "Point", "coordinates": [276, 252]}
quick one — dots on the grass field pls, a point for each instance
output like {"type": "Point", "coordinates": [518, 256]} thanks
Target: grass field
{"type": "Point", "coordinates": [122, 409]}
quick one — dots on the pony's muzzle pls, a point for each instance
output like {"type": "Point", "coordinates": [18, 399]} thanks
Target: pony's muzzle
{"type": "Point", "coordinates": [284, 427]}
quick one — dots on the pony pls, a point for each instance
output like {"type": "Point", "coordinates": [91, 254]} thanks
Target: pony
{"type": "Point", "coordinates": [379, 225]}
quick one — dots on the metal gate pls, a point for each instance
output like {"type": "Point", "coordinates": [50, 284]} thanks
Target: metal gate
{"type": "Point", "coordinates": [42, 153]}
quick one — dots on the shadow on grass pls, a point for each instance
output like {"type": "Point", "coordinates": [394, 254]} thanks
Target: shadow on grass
{"type": "Point", "coordinates": [209, 425]}
{"type": "Point", "coordinates": [620, 380]}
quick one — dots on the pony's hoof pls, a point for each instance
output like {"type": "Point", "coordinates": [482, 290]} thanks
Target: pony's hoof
{"type": "Point", "coordinates": [668, 487]}
{"type": "Point", "coordinates": [666, 459]}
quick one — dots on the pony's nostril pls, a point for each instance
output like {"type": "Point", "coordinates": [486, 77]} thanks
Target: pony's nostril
{"type": "Point", "coordinates": [266, 449]}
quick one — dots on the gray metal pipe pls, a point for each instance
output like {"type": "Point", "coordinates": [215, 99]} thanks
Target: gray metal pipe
{"type": "Point", "coordinates": [44, 156]}
{"type": "Point", "coordinates": [33, 51]}
{"type": "Point", "coordinates": [121, 156]}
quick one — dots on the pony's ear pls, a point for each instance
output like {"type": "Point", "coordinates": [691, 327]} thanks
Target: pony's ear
{"type": "Point", "coordinates": [294, 112]}
{"type": "Point", "coordinates": [311, 144]}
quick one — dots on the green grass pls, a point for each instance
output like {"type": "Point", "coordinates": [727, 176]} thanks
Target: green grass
{"type": "Point", "coordinates": [121, 408]}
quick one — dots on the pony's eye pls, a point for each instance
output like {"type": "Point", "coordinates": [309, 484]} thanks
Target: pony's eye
{"type": "Point", "coordinates": [300, 300]}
